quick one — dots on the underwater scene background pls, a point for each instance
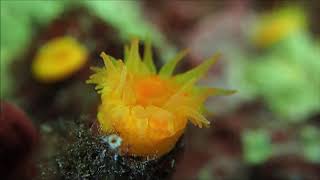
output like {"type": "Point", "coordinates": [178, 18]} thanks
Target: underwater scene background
{"type": "Point", "coordinates": [266, 56]}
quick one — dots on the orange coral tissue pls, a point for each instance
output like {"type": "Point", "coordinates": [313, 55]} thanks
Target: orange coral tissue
{"type": "Point", "coordinates": [149, 110]}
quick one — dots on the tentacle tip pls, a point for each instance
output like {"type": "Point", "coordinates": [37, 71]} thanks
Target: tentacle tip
{"type": "Point", "coordinates": [230, 92]}
{"type": "Point", "coordinates": [215, 57]}
{"type": "Point", "coordinates": [103, 54]}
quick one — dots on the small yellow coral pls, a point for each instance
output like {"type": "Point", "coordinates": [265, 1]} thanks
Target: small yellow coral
{"type": "Point", "coordinates": [278, 24]}
{"type": "Point", "coordinates": [149, 110]}
{"type": "Point", "coordinates": [58, 59]}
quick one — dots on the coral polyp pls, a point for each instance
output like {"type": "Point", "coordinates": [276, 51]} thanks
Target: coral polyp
{"type": "Point", "coordinates": [149, 110]}
{"type": "Point", "coordinates": [58, 59]}
{"type": "Point", "coordinates": [278, 24]}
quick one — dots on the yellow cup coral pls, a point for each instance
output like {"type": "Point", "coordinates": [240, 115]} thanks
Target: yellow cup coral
{"type": "Point", "coordinates": [149, 110]}
{"type": "Point", "coordinates": [276, 25]}
{"type": "Point", "coordinates": [58, 59]}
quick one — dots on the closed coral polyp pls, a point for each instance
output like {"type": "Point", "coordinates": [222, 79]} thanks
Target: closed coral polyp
{"type": "Point", "coordinates": [58, 59]}
{"type": "Point", "coordinates": [276, 25]}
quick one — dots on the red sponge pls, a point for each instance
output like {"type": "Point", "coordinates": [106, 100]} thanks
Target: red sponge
{"type": "Point", "coordinates": [18, 139]}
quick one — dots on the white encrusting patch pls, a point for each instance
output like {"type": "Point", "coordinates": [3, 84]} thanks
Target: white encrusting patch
{"type": "Point", "coordinates": [114, 141]}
